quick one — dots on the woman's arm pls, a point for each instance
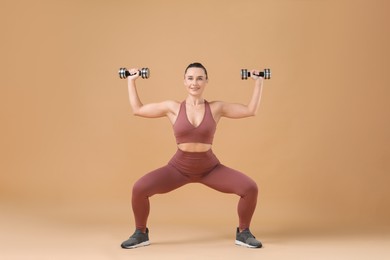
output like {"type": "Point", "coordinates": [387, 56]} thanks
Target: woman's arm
{"type": "Point", "coordinates": [152, 110]}
{"type": "Point", "coordinates": [233, 110]}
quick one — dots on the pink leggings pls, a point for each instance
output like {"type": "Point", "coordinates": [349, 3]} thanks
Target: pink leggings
{"type": "Point", "coordinates": [197, 167]}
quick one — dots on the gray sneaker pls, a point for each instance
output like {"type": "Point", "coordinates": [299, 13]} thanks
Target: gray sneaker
{"type": "Point", "coordinates": [245, 238]}
{"type": "Point", "coordinates": [137, 239]}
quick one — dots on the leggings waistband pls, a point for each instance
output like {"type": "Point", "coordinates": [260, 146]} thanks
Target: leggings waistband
{"type": "Point", "coordinates": [194, 164]}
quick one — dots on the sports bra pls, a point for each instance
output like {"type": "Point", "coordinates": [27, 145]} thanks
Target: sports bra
{"type": "Point", "coordinates": [185, 132]}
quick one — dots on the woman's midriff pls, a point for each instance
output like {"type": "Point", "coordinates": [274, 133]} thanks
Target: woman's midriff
{"type": "Point", "coordinates": [194, 147]}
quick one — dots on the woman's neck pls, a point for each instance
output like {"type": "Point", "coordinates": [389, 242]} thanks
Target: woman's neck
{"type": "Point", "coordinates": [194, 101]}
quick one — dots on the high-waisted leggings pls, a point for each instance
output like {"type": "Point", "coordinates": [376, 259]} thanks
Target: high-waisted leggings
{"type": "Point", "coordinates": [194, 167]}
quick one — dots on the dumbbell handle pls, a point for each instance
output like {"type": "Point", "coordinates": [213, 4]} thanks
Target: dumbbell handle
{"type": "Point", "coordinates": [261, 74]}
{"type": "Point", "coordinates": [127, 73]}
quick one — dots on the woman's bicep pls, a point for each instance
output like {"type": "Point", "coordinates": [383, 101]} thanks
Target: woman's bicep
{"type": "Point", "coordinates": [153, 110]}
{"type": "Point", "coordinates": [234, 110]}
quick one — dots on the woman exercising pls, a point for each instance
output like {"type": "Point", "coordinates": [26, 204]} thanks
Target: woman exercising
{"type": "Point", "coordinates": [194, 123]}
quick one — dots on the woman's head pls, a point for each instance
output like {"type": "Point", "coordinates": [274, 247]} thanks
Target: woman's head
{"type": "Point", "coordinates": [195, 79]}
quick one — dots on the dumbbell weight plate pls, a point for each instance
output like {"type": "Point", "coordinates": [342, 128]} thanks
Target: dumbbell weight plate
{"type": "Point", "coordinates": [245, 74]}
{"type": "Point", "coordinates": [267, 74]}
{"type": "Point", "coordinates": [122, 73]}
{"type": "Point", "coordinates": [145, 73]}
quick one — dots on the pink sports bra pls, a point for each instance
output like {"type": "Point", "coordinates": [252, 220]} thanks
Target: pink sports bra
{"type": "Point", "coordinates": [185, 132]}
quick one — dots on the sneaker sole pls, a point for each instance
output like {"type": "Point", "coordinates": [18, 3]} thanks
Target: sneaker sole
{"type": "Point", "coordinates": [239, 243]}
{"type": "Point", "coordinates": [146, 243]}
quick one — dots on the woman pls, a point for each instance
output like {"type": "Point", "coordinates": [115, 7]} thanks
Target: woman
{"type": "Point", "coordinates": [194, 123]}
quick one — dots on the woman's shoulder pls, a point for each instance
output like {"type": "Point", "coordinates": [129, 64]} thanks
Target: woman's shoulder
{"type": "Point", "coordinates": [216, 106]}
{"type": "Point", "coordinates": [215, 103]}
{"type": "Point", "coordinates": [170, 102]}
{"type": "Point", "coordinates": [172, 105]}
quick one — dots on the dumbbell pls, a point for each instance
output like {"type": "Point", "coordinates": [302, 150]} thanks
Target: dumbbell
{"type": "Point", "coordinates": [124, 73]}
{"type": "Point", "coordinates": [266, 74]}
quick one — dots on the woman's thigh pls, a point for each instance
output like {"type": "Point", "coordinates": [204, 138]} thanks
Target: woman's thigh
{"type": "Point", "coordinates": [161, 180]}
{"type": "Point", "coordinates": [228, 180]}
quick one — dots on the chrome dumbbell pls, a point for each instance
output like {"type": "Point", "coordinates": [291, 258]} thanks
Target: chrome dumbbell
{"type": "Point", "coordinates": [124, 73]}
{"type": "Point", "coordinates": [266, 74]}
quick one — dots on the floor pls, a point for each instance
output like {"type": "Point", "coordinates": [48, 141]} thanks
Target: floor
{"type": "Point", "coordinates": [45, 235]}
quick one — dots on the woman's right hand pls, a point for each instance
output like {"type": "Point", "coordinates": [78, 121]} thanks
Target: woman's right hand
{"type": "Point", "coordinates": [134, 74]}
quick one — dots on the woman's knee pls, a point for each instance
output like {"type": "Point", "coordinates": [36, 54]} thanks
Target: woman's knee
{"type": "Point", "coordinates": [252, 188]}
{"type": "Point", "coordinates": [139, 188]}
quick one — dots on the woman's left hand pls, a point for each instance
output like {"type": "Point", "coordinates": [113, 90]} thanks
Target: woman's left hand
{"type": "Point", "coordinates": [254, 74]}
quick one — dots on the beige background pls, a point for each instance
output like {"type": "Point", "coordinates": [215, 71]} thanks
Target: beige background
{"type": "Point", "coordinates": [71, 149]}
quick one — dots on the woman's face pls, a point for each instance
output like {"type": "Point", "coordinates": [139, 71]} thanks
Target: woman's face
{"type": "Point", "coordinates": [195, 81]}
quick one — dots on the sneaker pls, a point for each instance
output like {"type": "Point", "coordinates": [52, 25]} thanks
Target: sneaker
{"type": "Point", "coordinates": [245, 238]}
{"type": "Point", "coordinates": [138, 239]}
